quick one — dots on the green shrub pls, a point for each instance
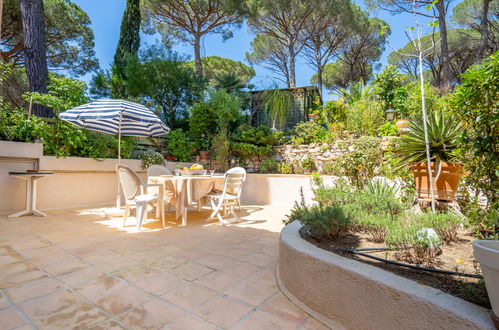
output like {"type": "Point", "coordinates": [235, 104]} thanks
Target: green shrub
{"type": "Point", "coordinates": [364, 117]}
{"type": "Point", "coordinates": [151, 158]}
{"type": "Point", "coordinates": [325, 221]}
{"type": "Point", "coordinates": [179, 146]}
{"type": "Point", "coordinates": [361, 164]}
{"type": "Point", "coordinates": [475, 103]}
{"type": "Point", "coordinates": [381, 189]}
{"type": "Point", "coordinates": [307, 164]}
{"type": "Point", "coordinates": [388, 129]}
{"type": "Point", "coordinates": [269, 165]}
{"type": "Point", "coordinates": [389, 87]}
{"type": "Point", "coordinates": [330, 168]}
{"type": "Point", "coordinates": [445, 224]}
{"type": "Point", "coordinates": [309, 132]}
{"type": "Point", "coordinates": [317, 179]}
{"type": "Point", "coordinates": [285, 168]}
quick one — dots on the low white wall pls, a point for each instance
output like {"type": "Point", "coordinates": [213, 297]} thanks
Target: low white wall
{"type": "Point", "coordinates": [89, 182]}
{"type": "Point", "coordinates": [76, 181]}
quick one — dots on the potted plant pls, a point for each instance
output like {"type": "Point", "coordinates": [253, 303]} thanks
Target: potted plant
{"type": "Point", "coordinates": [487, 254]}
{"type": "Point", "coordinates": [442, 134]}
{"type": "Point", "coordinates": [204, 154]}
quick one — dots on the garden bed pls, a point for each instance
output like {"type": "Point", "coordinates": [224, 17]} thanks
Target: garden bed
{"type": "Point", "coordinates": [457, 257]}
{"type": "Point", "coordinates": [346, 293]}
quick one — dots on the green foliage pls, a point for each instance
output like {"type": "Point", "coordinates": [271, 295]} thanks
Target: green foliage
{"type": "Point", "coordinates": [69, 36]}
{"type": "Point", "coordinates": [483, 222]}
{"type": "Point", "coordinates": [388, 129]}
{"type": "Point", "coordinates": [443, 131]}
{"type": "Point", "coordinates": [310, 132]}
{"type": "Point", "coordinates": [434, 101]}
{"type": "Point", "coordinates": [333, 112]}
{"type": "Point", "coordinates": [179, 145]}
{"type": "Point", "coordinates": [128, 46]}
{"type": "Point", "coordinates": [285, 168]}
{"type": "Point", "coordinates": [445, 224]}
{"type": "Point", "coordinates": [364, 117]}
{"type": "Point", "coordinates": [317, 179]}
{"type": "Point", "coordinates": [382, 189]}
{"type": "Point", "coordinates": [278, 105]}
{"type": "Point", "coordinates": [202, 125]}
{"type": "Point", "coordinates": [269, 165]}
{"type": "Point", "coordinates": [216, 66]}
{"type": "Point", "coordinates": [361, 163]}
{"type": "Point", "coordinates": [307, 164]}
{"type": "Point", "coordinates": [15, 126]}
{"type": "Point", "coordinates": [475, 103]}
{"type": "Point", "coordinates": [151, 158]}
{"type": "Point", "coordinates": [63, 139]}
{"type": "Point", "coordinates": [356, 91]}
{"type": "Point", "coordinates": [389, 87]}
{"type": "Point", "coordinates": [163, 81]}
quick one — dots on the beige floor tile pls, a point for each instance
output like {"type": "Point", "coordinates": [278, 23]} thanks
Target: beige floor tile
{"type": "Point", "coordinates": [241, 269]}
{"type": "Point", "coordinates": [108, 325]}
{"type": "Point", "coordinates": [61, 309]}
{"type": "Point", "coordinates": [33, 289]}
{"type": "Point", "coordinates": [222, 311]}
{"type": "Point", "coordinates": [259, 259]}
{"type": "Point", "coordinates": [264, 320]}
{"type": "Point", "coordinates": [10, 319]}
{"type": "Point", "coordinates": [158, 284]}
{"type": "Point", "coordinates": [266, 276]}
{"type": "Point", "coordinates": [4, 303]}
{"type": "Point", "coordinates": [99, 287]}
{"type": "Point", "coordinates": [168, 263]}
{"type": "Point", "coordinates": [17, 267]}
{"type": "Point", "coordinates": [53, 258]}
{"type": "Point", "coordinates": [18, 279]}
{"type": "Point", "coordinates": [214, 261]}
{"type": "Point", "coordinates": [80, 276]}
{"type": "Point", "coordinates": [313, 324]}
{"type": "Point", "coordinates": [218, 281]}
{"type": "Point", "coordinates": [152, 315]}
{"type": "Point", "coordinates": [62, 268]}
{"type": "Point", "coordinates": [188, 322]}
{"type": "Point", "coordinates": [191, 271]}
{"type": "Point", "coordinates": [189, 295]}
{"type": "Point", "coordinates": [252, 292]}
{"type": "Point", "coordinates": [136, 274]}
{"type": "Point", "coordinates": [121, 300]}
{"type": "Point", "coordinates": [10, 259]}
{"type": "Point", "coordinates": [282, 307]}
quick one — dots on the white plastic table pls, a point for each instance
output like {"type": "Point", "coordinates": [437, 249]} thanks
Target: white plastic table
{"type": "Point", "coordinates": [31, 180]}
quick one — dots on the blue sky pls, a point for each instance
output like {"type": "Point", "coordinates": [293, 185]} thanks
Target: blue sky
{"type": "Point", "coordinates": [106, 19]}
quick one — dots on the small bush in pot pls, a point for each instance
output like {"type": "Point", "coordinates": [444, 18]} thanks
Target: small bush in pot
{"type": "Point", "coordinates": [443, 132]}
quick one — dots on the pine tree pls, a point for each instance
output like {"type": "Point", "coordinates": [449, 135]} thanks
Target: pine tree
{"type": "Point", "coordinates": [128, 45]}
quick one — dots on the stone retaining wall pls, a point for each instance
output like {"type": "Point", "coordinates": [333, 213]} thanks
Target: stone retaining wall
{"type": "Point", "coordinates": [321, 152]}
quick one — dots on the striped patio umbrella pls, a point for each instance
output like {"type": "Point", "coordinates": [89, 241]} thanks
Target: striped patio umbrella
{"type": "Point", "coordinates": [113, 116]}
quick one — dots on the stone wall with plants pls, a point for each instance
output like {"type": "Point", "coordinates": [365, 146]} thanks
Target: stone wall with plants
{"type": "Point", "coordinates": [305, 158]}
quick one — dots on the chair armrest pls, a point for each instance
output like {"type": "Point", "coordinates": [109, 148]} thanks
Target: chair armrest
{"type": "Point", "coordinates": [158, 185]}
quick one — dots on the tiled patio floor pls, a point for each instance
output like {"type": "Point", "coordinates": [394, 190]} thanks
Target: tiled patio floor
{"type": "Point", "coordinates": [78, 269]}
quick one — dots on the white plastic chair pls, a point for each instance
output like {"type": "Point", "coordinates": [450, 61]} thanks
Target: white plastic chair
{"type": "Point", "coordinates": [157, 170]}
{"type": "Point", "coordinates": [230, 196]}
{"type": "Point", "coordinates": [136, 195]}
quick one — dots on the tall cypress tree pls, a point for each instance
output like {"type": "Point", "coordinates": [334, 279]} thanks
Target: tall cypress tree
{"type": "Point", "coordinates": [127, 45]}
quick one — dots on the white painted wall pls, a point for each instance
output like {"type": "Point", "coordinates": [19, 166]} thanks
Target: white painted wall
{"type": "Point", "coordinates": [88, 182]}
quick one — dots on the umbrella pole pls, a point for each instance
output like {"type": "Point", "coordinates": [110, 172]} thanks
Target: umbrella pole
{"type": "Point", "coordinates": [118, 197]}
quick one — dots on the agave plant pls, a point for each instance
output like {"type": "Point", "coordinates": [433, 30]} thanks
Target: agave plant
{"type": "Point", "coordinates": [443, 131]}
{"type": "Point", "coordinates": [382, 188]}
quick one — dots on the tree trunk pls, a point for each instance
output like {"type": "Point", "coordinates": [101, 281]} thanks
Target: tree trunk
{"type": "Point", "coordinates": [292, 66]}
{"type": "Point", "coordinates": [35, 51]}
{"type": "Point", "coordinates": [444, 45]}
{"type": "Point", "coordinates": [197, 54]}
{"type": "Point", "coordinates": [319, 80]}
{"type": "Point", "coordinates": [484, 30]}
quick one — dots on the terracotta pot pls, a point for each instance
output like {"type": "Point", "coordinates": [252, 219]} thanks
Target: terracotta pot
{"type": "Point", "coordinates": [487, 254]}
{"type": "Point", "coordinates": [445, 187]}
{"type": "Point", "coordinates": [205, 155]}
{"type": "Point", "coordinates": [402, 123]}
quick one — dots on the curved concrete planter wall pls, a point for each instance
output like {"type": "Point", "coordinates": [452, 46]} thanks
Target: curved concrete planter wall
{"type": "Point", "coordinates": [344, 293]}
